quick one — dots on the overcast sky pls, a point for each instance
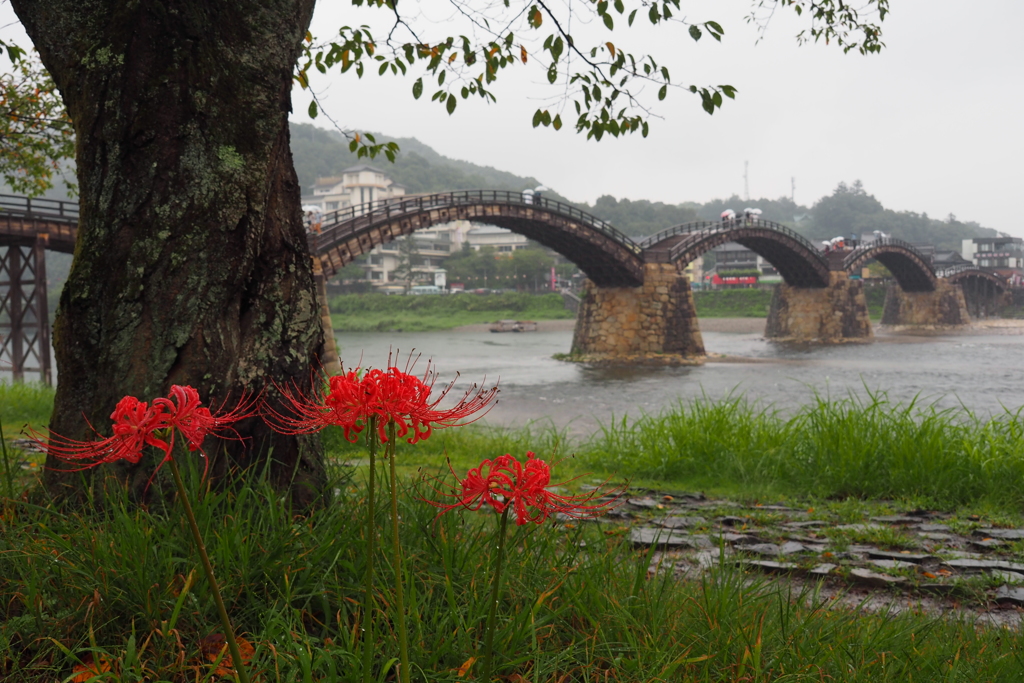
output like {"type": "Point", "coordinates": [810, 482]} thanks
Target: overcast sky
{"type": "Point", "coordinates": [933, 123]}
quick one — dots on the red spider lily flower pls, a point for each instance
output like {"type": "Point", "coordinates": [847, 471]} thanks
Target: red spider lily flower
{"type": "Point", "coordinates": [349, 400]}
{"type": "Point", "coordinates": [195, 421]}
{"type": "Point", "coordinates": [491, 484]}
{"type": "Point", "coordinates": [505, 481]}
{"type": "Point", "coordinates": [137, 424]}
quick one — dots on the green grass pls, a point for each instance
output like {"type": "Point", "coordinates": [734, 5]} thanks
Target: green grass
{"type": "Point", "coordinates": [579, 604]}
{"type": "Point", "coordinates": [24, 404]}
{"type": "Point", "coordinates": [875, 297]}
{"type": "Point", "coordinates": [860, 448]}
{"type": "Point", "coordinates": [733, 303]}
{"type": "Point", "coordinates": [121, 585]}
{"type": "Point", "coordinates": [379, 312]}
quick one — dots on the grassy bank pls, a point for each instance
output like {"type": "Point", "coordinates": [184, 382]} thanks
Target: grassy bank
{"type": "Point", "coordinates": [862, 448]}
{"type": "Point", "coordinates": [755, 303]}
{"type": "Point", "coordinates": [120, 587]}
{"type": "Point", "coordinates": [875, 297]}
{"type": "Point", "coordinates": [732, 303]}
{"type": "Point", "coordinates": [381, 313]}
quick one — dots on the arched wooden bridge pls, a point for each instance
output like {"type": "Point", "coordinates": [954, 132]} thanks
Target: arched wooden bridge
{"type": "Point", "coordinates": [798, 261]}
{"type": "Point", "coordinates": [28, 227]}
{"type": "Point", "coordinates": [910, 268]}
{"type": "Point", "coordinates": [608, 257]}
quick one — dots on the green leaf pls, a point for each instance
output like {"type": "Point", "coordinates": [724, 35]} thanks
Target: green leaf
{"type": "Point", "coordinates": [662, 92]}
{"type": "Point", "coordinates": [451, 104]}
{"type": "Point", "coordinates": [608, 22]}
{"type": "Point", "coordinates": [557, 123]}
{"type": "Point", "coordinates": [440, 78]}
{"type": "Point", "coordinates": [538, 116]}
{"type": "Point", "coordinates": [417, 88]}
{"type": "Point", "coordinates": [619, 7]}
{"type": "Point", "coordinates": [695, 32]}
{"type": "Point", "coordinates": [312, 109]}
{"type": "Point", "coordinates": [632, 16]}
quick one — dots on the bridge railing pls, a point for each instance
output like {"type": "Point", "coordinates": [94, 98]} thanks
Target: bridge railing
{"type": "Point", "coordinates": [699, 230]}
{"type": "Point", "coordinates": [339, 225]}
{"type": "Point", "coordinates": [52, 209]}
{"type": "Point", "coordinates": [883, 242]}
{"type": "Point", "coordinates": [681, 229]}
{"type": "Point", "coordinates": [949, 271]}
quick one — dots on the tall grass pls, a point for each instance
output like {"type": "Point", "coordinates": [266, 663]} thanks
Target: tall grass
{"type": "Point", "coordinates": [861, 447]}
{"type": "Point", "coordinates": [580, 604]}
{"type": "Point", "coordinates": [21, 404]}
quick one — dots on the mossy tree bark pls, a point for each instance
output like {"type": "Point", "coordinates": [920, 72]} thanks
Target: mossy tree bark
{"type": "Point", "coordinates": [191, 265]}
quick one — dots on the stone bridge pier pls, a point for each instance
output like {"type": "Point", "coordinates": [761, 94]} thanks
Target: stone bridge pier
{"type": "Point", "coordinates": [656, 322]}
{"type": "Point", "coordinates": [837, 313]}
{"type": "Point", "coordinates": [944, 308]}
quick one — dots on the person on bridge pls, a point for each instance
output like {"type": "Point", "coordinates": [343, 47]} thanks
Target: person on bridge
{"type": "Point", "coordinates": [728, 216]}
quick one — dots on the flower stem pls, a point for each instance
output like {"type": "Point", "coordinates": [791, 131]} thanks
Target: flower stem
{"type": "Point", "coordinates": [7, 465]}
{"type": "Point", "coordinates": [492, 608]}
{"type": "Point", "coordinates": [225, 621]}
{"type": "Point", "coordinates": [371, 535]}
{"type": "Point", "coordinates": [403, 637]}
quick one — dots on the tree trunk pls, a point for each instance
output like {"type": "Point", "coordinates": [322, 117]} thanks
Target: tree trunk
{"type": "Point", "coordinates": [191, 265]}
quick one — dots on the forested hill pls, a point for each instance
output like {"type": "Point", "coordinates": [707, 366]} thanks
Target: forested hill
{"type": "Point", "coordinates": [849, 210]}
{"type": "Point", "coordinates": [321, 153]}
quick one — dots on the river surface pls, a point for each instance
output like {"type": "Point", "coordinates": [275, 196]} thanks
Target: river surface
{"type": "Point", "coordinates": [982, 370]}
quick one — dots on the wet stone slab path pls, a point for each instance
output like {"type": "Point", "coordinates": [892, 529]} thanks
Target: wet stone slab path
{"type": "Point", "coordinates": [916, 559]}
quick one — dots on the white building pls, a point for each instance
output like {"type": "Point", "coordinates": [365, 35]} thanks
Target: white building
{"type": "Point", "coordinates": [356, 185]}
{"type": "Point", "coordinates": [504, 241]}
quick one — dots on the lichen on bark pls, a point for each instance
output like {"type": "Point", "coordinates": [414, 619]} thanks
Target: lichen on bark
{"type": "Point", "coordinates": [191, 265]}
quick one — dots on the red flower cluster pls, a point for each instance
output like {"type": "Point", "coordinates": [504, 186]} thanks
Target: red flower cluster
{"type": "Point", "coordinates": [505, 481]}
{"type": "Point", "coordinates": [349, 400]}
{"type": "Point", "coordinates": [138, 424]}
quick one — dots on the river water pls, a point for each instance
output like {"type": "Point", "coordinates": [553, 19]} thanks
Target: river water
{"type": "Point", "coordinates": [982, 370]}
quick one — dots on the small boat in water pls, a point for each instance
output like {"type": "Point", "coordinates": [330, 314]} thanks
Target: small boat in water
{"type": "Point", "coordinates": [514, 326]}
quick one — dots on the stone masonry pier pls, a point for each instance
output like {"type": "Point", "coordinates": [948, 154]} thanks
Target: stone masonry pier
{"type": "Point", "coordinates": [943, 309]}
{"type": "Point", "coordinates": [655, 323]}
{"type": "Point", "coordinates": [834, 314]}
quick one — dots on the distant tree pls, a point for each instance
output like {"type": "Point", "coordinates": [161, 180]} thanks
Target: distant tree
{"type": "Point", "coordinates": [847, 212]}
{"type": "Point", "coordinates": [782, 210]}
{"type": "Point", "coordinates": [408, 258]}
{"type": "Point", "coordinates": [36, 135]}
{"type": "Point", "coordinates": [850, 210]}
{"type": "Point", "coordinates": [530, 268]}
{"type": "Point", "coordinates": [640, 218]}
